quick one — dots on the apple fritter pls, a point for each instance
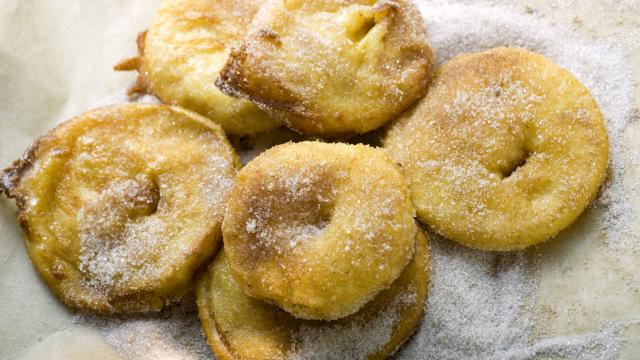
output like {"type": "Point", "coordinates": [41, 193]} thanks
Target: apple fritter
{"type": "Point", "coordinates": [121, 205]}
{"type": "Point", "coordinates": [183, 52]}
{"type": "Point", "coordinates": [332, 68]}
{"type": "Point", "coordinates": [506, 149]}
{"type": "Point", "coordinates": [240, 327]}
{"type": "Point", "coordinates": [318, 229]}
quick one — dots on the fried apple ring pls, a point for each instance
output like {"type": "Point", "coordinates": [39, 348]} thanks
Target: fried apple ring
{"type": "Point", "coordinates": [239, 327]}
{"type": "Point", "coordinates": [184, 50]}
{"type": "Point", "coordinates": [332, 68]}
{"type": "Point", "coordinates": [121, 205]}
{"type": "Point", "coordinates": [318, 229]}
{"type": "Point", "coordinates": [506, 149]}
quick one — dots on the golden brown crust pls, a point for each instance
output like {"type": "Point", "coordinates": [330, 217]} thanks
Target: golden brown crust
{"type": "Point", "coordinates": [238, 327]}
{"type": "Point", "coordinates": [141, 86]}
{"type": "Point", "coordinates": [11, 175]}
{"type": "Point", "coordinates": [233, 83]}
{"type": "Point", "coordinates": [377, 65]}
{"type": "Point", "coordinates": [318, 228]}
{"type": "Point", "coordinates": [506, 149]}
{"type": "Point", "coordinates": [10, 179]}
{"type": "Point", "coordinates": [78, 205]}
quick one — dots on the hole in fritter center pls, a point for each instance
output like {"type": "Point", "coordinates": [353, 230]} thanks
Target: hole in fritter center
{"type": "Point", "coordinates": [360, 25]}
{"type": "Point", "coordinates": [289, 211]}
{"type": "Point", "coordinates": [155, 197]}
{"type": "Point", "coordinates": [306, 217]}
{"type": "Point", "coordinates": [144, 197]}
{"type": "Point", "coordinates": [516, 164]}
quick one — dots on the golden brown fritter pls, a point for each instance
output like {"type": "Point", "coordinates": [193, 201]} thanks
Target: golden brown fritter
{"type": "Point", "coordinates": [506, 149]}
{"type": "Point", "coordinates": [317, 228]}
{"type": "Point", "coordinates": [122, 204]}
{"type": "Point", "coordinates": [183, 52]}
{"type": "Point", "coordinates": [332, 68]}
{"type": "Point", "coordinates": [239, 327]}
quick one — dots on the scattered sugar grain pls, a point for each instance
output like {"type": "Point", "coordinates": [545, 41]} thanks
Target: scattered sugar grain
{"type": "Point", "coordinates": [175, 335]}
{"type": "Point", "coordinates": [353, 341]}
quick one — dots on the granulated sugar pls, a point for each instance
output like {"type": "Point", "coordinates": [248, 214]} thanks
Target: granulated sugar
{"type": "Point", "coordinates": [480, 304]}
{"type": "Point", "coordinates": [174, 335]}
{"type": "Point", "coordinates": [336, 342]}
{"type": "Point", "coordinates": [477, 307]}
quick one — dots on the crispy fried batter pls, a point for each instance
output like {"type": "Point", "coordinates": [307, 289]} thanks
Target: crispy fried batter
{"type": "Point", "coordinates": [184, 50]}
{"type": "Point", "coordinates": [506, 149]}
{"type": "Point", "coordinates": [121, 205]}
{"type": "Point", "coordinates": [239, 327]}
{"type": "Point", "coordinates": [317, 228]}
{"type": "Point", "coordinates": [332, 68]}
{"type": "Point", "coordinates": [141, 86]}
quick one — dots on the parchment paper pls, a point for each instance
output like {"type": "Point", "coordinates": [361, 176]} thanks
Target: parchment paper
{"type": "Point", "coordinates": [55, 62]}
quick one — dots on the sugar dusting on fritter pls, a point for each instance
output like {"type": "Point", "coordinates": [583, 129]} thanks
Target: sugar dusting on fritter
{"type": "Point", "coordinates": [121, 242]}
{"type": "Point", "coordinates": [289, 208]}
{"type": "Point", "coordinates": [479, 305]}
{"type": "Point", "coordinates": [137, 225]}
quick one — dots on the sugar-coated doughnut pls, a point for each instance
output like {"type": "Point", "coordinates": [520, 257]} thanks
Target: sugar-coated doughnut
{"type": "Point", "coordinates": [332, 68]}
{"type": "Point", "coordinates": [239, 327]}
{"type": "Point", "coordinates": [506, 149]}
{"type": "Point", "coordinates": [183, 52]}
{"type": "Point", "coordinates": [121, 205]}
{"type": "Point", "coordinates": [318, 229]}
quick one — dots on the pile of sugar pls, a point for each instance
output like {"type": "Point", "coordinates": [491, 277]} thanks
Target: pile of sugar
{"type": "Point", "coordinates": [479, 304]}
